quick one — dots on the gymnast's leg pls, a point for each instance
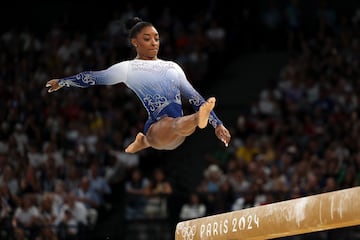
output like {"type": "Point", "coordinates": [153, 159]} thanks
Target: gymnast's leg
{"type": "Point", "coordinates": [186, 125]}
{"type": "Point", "coordinates": [168, 133]}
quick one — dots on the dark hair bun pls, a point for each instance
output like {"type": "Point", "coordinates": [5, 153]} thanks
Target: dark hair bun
{"type": "Point", "coordinates": [131, 22]}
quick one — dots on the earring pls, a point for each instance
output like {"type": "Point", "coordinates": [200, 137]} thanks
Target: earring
{"type": "Point", "coordinates": [135, 45]}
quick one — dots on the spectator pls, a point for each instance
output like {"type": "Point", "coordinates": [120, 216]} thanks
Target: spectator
{"type": "Point", "coordinates": [248, 150]}
{"type": "Point", "coordinates": [58, 196]}
{"type": "Point", "coordinates": [158, 192]}
{"type": "Point", "coordinates": [136, 194]}
{"type": "Point", "coordinates": [216, 35]}
{"type": "Point", "coordinates": [26, 217]}
{"type": "Point", "coordinates": [47, 213]}
{"type": "Point", "coordinates": [72, 179]}
{"type": "Point", "coordinates": [99, 183]}
{"type": "Point", "coordinates": [68, 226]}
{"type": "Point", "coordinates": [8, 178]}
{"type": "Point", "coordinates": [89, 198]}
{"type": "Point", "coordinates": [74, 219]}
{"type": "Point", "coordinates": [48, 178]}
{"type": "Point", "coordinates": [193, 208]}
{"type": "Point", "coordinates": [22, 140]}
{"type": "Point", "coordinates": [29, 183]}
{"type": "Point", "coordinates": [215, 189]}
{"type": "Point", "coordinates": [7, 207]}
{"type": "Point", "coordinates": [238, 182]}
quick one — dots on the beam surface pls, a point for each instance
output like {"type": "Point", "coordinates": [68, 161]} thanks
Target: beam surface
{"type": "Point", "coordinates": [292, 217]}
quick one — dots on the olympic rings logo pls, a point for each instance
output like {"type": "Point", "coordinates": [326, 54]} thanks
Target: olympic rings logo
{"type": "Point", "coordinates": [187, 232]}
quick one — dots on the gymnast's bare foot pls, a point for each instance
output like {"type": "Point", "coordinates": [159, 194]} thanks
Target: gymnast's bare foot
{"type": "Point", "coordinates": [138, 144]}
{"type": "Point", "coordinates": [204, 112]}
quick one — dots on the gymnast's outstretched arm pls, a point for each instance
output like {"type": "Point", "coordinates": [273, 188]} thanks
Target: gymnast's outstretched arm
{"type": "Point", "coordinates": [194, 97]}
{"type": "Point", "coordinates": [110, 76]}
{"type": "Point", "coordinates": [196, 100]}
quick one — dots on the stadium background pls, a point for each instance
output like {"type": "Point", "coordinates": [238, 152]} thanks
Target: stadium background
{"type": "Point", "coordinates": [248, 60]}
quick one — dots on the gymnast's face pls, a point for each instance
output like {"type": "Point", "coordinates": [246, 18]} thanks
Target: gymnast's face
{"type": "Point", "coordinates": [147, 43]}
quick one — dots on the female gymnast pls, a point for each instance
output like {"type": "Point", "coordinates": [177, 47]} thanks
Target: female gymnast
{"type": "Point", "coordinates": [159, 84]}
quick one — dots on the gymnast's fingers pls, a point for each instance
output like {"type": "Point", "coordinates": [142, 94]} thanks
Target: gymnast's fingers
{"type": "Point", "coordinates": [53, 85]}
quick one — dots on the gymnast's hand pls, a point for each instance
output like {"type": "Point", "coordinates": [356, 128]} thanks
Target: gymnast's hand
{"type": "Point", "coordinates": [223, 134]}
{"type": "Point", "coordinates": [54, 85]}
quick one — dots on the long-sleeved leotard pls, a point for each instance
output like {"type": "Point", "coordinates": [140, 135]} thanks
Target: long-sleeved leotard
{"type": "Point", "coordinates": [159, 84]}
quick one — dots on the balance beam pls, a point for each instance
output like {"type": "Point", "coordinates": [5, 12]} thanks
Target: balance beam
{"type": "Point", "coordinates": [292, 217]}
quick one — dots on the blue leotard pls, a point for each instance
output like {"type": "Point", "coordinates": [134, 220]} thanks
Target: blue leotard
{"type": "Point", "coordinates": [159, 84]}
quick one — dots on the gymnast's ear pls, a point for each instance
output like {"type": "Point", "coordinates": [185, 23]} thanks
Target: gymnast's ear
{"type": "Point", "coordinates": [133, 42]}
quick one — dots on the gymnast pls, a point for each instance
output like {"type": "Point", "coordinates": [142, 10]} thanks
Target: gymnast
{"type": "Point", "coordinates": [159, 84]}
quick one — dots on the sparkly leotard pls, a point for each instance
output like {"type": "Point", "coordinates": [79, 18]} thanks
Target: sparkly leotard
{"type": "Point", "coordinates": [158, 83]}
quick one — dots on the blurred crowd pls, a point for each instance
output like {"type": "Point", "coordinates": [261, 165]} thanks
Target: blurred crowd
{"type": "Point", "coordinates": [300, 136]}
{"type": "Point", "coordinates": [61, 154]}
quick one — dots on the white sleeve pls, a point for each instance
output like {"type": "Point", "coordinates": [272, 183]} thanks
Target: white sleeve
{"type": "Point", "coordinates": [115, 74]}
